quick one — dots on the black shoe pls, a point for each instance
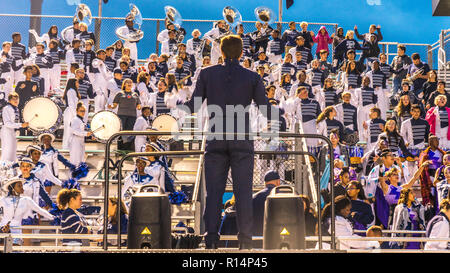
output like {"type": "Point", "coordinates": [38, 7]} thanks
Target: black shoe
{"type": "Point", "coordinates": [245, 246]}
{"type": "Point", "coordinates": [211, 246]}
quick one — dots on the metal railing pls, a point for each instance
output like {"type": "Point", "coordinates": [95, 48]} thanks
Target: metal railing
{"type": "Point", "coordinates": [149, 133]}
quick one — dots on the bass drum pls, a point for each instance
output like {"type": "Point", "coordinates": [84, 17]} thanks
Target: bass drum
{"type": "Point", "coordinates": [165, 123]}
{"type": "Point", "coordinates": [104, 124]}
{"type": "Point", "coordinates": [42, 114]}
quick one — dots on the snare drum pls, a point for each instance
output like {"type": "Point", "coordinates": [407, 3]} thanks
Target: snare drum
{"type": "Point", "coordinates": [42, 114]}
{"type": "Point", "coordinates": [104, 124]}
{"type": "Point", "coordinates": [165, 123]}
{"type": "Point", "coordinates": [356, 153]}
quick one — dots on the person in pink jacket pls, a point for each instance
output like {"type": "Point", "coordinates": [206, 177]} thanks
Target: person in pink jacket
{"type": "Point", "coordinates": [438, 117]}
{"type": "Point", "coordinates": [323, 40]}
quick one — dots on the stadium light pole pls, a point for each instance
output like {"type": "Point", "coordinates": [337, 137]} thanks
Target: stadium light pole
{"type": "Point", "coordinates": [98, 23]}
{"type": "Point", "coordinates": [280, 14]}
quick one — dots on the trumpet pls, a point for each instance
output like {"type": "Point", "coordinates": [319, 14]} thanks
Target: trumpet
{"type": "Point", "coordinates": [414, 76]}
{"type": "Point", "coordinates": [180, 83]}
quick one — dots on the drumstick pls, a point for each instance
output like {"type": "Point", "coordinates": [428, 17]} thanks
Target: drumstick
{"type": "Point", "coordinates": [99, 128]}
{"type": "Point", "coordinates": [35, 116]}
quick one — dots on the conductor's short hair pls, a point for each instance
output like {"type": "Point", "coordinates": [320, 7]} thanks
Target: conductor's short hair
{"type": "Point", "coordinates": [231, 46]}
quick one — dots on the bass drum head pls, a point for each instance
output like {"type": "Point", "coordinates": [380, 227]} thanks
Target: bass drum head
{"type": "Point", "coordinates": [42, 114]}
{"type": "Point", "coordinates": [165, 123]}
{"type": "Point", "coordinates": [104, 124]}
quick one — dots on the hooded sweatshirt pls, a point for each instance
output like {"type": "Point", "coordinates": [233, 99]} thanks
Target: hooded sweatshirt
{"type": "Point", "coordinates": [322, 40]}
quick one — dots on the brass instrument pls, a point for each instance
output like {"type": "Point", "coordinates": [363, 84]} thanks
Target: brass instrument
{"type": "Point", "coordinates": [123, 32]}
{"type": "Point", "coordinates": [174, 17]}
{"type": "Point", "coordinates": [232, 16]}
{"type": "Point", "coordinates": [83, 14]}
{"type": "Point", "coordinates": [180, 83]}
{"type": "Point", "coordinates": [414, 76]}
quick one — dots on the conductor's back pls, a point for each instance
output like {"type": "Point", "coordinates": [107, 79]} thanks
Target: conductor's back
{"type": "Point", "coordinates": [229, 90]}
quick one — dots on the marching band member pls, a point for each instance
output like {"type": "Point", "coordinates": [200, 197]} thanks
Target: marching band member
{"type": "Point", "coordinates": [156, 168]}
{"type": "Point", "coordinates": [138, 177]}
{"type": "Point", "coordinates": [378, 82]}
{"type": "Point", "coordinates": [301, 81]}
{"type": "Point", "coordinates": [33, 186]}
{"type": "Point", "coordinates": [11, 122]}
{"type": "Point", "coordinates": [77, 134]}
{"type": "Point", "coordinates": [41, 170]}
{"type": "Point", "coordinates": [366, 100]}
{"type": "Point", "coordinates": [318, 77]}
{"type": "Point", "coordinates": [372, 128]}
{"type": "Point", "coordinates": [275, 48]}
{"type": "Point", "coordinates": [189, 62]}
{"type": "Point", "coordinates": [141, 124]}
{"type": "Point", "coordinates": [169, 46]}
{"type": "Point", "coordinates": [438, 117]}
{"type": "Point", "coordinates": [127, 29]}
{"type": "Point", "coordinates": [38, 79]}
{"type": "Point", "coordinates": [8, 66]}
{"type": "Point", "coordinates": [126, 56]}
{"type": "Point", "coordinates": [164, 35]}
{"type": "Point", "coordinates": [327, 96]}
{"type": "Point", "coordinates": [152, 73]}
{"type": "Point", "coordinates": [306, 111]}
{"type": "Point", "coordinates": [55, 73]}
{"type": "Point", "coordinates": [266, 78]}
{"type": "Point", "coordinates": [351, 78]}
{"type": "Point", "coordinates": [102, 76]}
{"type": "Point", "coordinates": [157, 100]}
{"type": "Point", "coordinates": [287, 66]}
{"type": "Point", "coordinates": [85, 90]}
{"type": "Point", "coordinates": [218, 31]}
{"type": "Point", "coordinates": [117, 50]}
{"type": "Point", "coordinates": [299, 63]}
{"type": "Point", "coordinates": [69, 33]}
{"type": "Point", "coordinates": [15, 207]}
{"type": "Point", "coordinates": [143, 87]}
{"type": "Point", "coordinates": [182, 75]}
{"type": "Point", "coordinates": [326, 122]}
{"type": "Point", "coordinates": [205, 63]}
{"type": "Point", "coordinates": [89, 56]}
{"type": "Point", "coordinates": [261, 59]}
{"type": "Point", "coordinates": [289, 36]}
{"type": "Point", "coordinates": [248, 45]}
{"type": "Point", "coordinates": [110, 61]}
{"type": "Point", "coordinates": [284, 87]}
{"type": "Point", "coordinates": [162, 68]}
{"type": "Point", "coordinates": [303, 49]}
{"type": "Point", "coordinates": [71, 97]}
{"type": "Point", "coordinates": [75, 55]}
{"type": "Point", "coordinates": [18, 51]}
{"type": "Point", "coordinates": [50, 155]}
{"type": "Point", "coordinates": [261, 36]}
{"type": "Point", "coordinates": [347, 113]}
{"type": "Point", "coordinates": [128, 72]}
{"type": "Point", "coordinates": [45, 63]}
{"type": "Point", "coordinates": [324, 65]}
{"type": "Point", "coordinates": [84, 34]}
{"type": "Point", "coordinates": [27, 88]}
{"type": "Point", "coordinates": [416, 66]}
{"type": "Point", "coordinates": [114, 86]}
{"type": "Point", "coordinates": [193, 46]}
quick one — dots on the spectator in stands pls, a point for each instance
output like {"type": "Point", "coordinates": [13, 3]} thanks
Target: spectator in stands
{"type": "Point", "coordinates": [228, 225]}
{"type": "Point", "coordinates": [439, 117]}
{"type": "Point", "coordinates": [339, 188]}
{"type": "Point", "coordinates": [377, 231]}
{"type": "Point", "coordinates": [348, 43]}
{"type": "Point", "coordinates": [323, 40]}
{"type": "Point", "coordinates": [430, 85]}
{"type": "Point", "coordinates": [127, 103]}
{"type": "Point", "coordinates": [112, 227]}
{"type": "Point", "coordinates": [400, 65]}
{"type": "Point", "coordinates": [361, 213]}
{"type": "Point", "coordinates": [438, 227]}
{"type": "Point", "coordinates": [271, 180]}
{"type": "Point", "coordinates": [372, 157]}
{"type": "Point", "coordinates": [402, 111]}
{"type": "Point", "coordinates": [395, 140]}
{"type": "Point", "coordinates": [27, 88]}
{"type": "Point", "coordinates": [72, 221]}
{"type": "Point", "coordinates": [420, 77]}
{"type": "Point", "coordinates": [340, 151]}
{"type": "Point", "coordinates": [435, 154]}
{"type": "Point", "coordinates": [439, 91]}
{"type": "Point", "coordinates": [118, 47]}
{"type": "Point", "coordinates": [343, 226]}
{"type": "Point", "coordinates": [442, 185]}
{"type": "Point", "coordinates": [408, 215]}
{"type": "Point", "coordinates": [303, 49]}
{"type": "Point", "coordinates": [310, 219]}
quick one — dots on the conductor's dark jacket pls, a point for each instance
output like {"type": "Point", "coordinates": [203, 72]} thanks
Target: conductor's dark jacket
{"type": "Point", "coordinates": [229, 84]}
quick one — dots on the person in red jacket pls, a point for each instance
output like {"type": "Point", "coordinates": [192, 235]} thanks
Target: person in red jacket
{"type": "Point", "coordinates": [438, 117]}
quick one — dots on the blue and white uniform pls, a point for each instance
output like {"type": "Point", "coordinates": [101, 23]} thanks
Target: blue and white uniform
{"type": "Point", "coordinates": [51, 157]}
{"type": "Point", "coordinates": [132, 180]}
{"type": "Point", "coordinates": [11, 123]}
{"type": "Point", "coordinates": [73, 222]}
{"type": "Point", "coordinates": [76, 140]}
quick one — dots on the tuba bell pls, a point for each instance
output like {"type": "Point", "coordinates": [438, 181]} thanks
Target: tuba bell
{"type": "Point", "coordinates": [232, 16]}
{"type": "Point", "coordinates": [134, 35]}
{"type": "Point", "coordinates": [83, 14]}
{"type": "Point", "coordinates": [265, 15]}
{"type": "Point", "coordinates": [174, 17]}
